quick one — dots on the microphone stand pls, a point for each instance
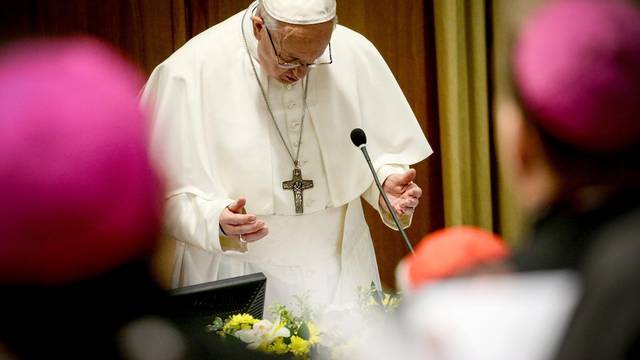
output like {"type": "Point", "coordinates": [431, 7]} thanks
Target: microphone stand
{"type": "Point", "coordinates": [386, 199]}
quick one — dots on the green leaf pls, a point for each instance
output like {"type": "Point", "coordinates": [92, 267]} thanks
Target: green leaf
{"type": "Point", "coordinates": [216, 325]}
{"type": "Point", "coordinates": [303, 331]}
{"type": "Point", "coordinates": [377, 297]}
{"type": "Point", "coordinates": [210, 328]}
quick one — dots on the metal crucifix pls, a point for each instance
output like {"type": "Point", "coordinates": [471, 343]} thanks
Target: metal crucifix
{"type": "Point", "coordinates": [298, 185]}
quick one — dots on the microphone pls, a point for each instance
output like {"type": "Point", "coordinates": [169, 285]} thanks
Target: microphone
{"type": "Point", "coordinates": [359, 139]}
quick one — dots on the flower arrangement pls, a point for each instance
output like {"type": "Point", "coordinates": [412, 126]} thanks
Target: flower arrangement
{"type": "Point", "coordinates": [298, 334]}
{"type": "Point", "coordinates": [291, 334]}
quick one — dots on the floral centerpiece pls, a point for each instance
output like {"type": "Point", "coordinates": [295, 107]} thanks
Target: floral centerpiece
{"type": "Point", "coordinates": [304, 334]}
{"type": "Point", "coordinates": [290, 333]}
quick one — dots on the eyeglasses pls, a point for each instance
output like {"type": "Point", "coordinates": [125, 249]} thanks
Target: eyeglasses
{"type": "Point", "coordinates": [296, 63]}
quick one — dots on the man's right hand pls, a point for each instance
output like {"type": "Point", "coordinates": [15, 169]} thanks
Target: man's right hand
{"type": "Point", "coordinates": [235, 222]}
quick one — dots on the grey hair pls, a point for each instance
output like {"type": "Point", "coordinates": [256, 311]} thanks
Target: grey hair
{"type": "Point", "coordinates": [273, 24]}
{"type": "Point", "coordinates": [269, 21]}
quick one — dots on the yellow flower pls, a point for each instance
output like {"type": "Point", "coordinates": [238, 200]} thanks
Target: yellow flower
{"type": "Point", "coordinates": [390, 301]}
{"type": "Point", "coordinates": [299, 346]}
{"type": "Point", "coordinates": [278, 347]}
{"type": "Point", "coordinates": [314, 333]}
{"type": "Point", "coordinates": [239, 322]}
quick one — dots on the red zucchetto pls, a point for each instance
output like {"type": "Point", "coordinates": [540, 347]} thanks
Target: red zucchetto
{"type": "Point", "coordinates": [447, 252]}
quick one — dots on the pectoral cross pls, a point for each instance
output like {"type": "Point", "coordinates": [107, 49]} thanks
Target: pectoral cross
{"type": "Point", "coordinates": [297, 185]}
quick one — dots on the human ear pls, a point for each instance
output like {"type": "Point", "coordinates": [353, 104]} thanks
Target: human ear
{"type": "Point", "coordinates": [258, 26]}
{"type": "Point", "coordinates": [517, 145]}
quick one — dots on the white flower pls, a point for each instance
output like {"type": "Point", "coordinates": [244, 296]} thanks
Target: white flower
{"type": "Point", "coordinates": [248, 336]}
{"type": "Point", "coordinates": [263, 327]}
{"type": "Point", "coordinates": [277, 330]}
{"type": "Point", "coordinates": [263, 332]}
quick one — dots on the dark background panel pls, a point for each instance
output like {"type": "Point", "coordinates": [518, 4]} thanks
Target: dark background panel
{"type": "Point", "coordinates": [205, 13]}
{"type": "Point", "coordinates": [145, 30]}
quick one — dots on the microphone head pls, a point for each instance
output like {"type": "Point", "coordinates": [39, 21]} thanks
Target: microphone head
{"type": "Point", "coordinates": [358, 137]}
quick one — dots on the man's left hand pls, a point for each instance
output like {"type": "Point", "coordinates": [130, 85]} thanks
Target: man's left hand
{"type": "Point", "coordinates": [402, 192]}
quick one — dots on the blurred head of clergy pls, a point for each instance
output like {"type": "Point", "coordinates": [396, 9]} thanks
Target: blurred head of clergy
{"type": "Point", "coordinates": [82, 203]}
{"type": "Point", "coordinates": [447, 253]}
{"type": "Point", "coordinates": [573, 135]}
{"type": "Point", "coordinates": [81, 196]}
{"type": "Point", "coordinates": [571, 143]}
{"type": "Point", "coordinates": [293, 36]}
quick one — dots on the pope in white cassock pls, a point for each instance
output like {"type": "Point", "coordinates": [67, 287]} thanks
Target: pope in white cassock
{"type": "Point", "coordinates": [252, 120]}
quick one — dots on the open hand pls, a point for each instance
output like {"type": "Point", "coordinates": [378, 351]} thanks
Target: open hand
{"type": "Point", "coordinates": [237, 224]}
{"type": "Point", "coordinates": [402, 192]}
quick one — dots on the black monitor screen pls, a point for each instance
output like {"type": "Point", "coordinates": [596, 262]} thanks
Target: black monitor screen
{"type": "Point", "coordinates": [196, 306]}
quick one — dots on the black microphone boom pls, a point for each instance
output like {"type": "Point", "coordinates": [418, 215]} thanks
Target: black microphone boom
{"type": "Point", "coordinates": [359, 139]}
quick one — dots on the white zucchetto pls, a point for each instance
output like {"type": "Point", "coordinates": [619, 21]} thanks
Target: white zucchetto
{"type": "Point", "coordinates": [301, 12]}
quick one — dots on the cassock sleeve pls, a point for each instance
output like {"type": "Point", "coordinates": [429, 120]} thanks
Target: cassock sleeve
{"type": "Point", "coordinates": [395, 138]}
{"type": "Point", "coordinates": [194, 200]}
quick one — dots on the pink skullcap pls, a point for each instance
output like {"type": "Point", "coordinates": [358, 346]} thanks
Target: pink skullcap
{"type": "Point", "coordinates": [577, 69]}
{"type": "Point", "coordinates": [450, 251]}
{"type": "Point", "coordinates": [80, 196]}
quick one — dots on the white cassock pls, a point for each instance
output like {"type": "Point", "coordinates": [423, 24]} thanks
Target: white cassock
{"type": "Point", "coordinates": [213, 133]}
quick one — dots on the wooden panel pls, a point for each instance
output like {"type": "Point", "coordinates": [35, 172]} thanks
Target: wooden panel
{"type": "Point", "coordinates": [146, 30]}
{"type": "Point", "coordinates": [16, 20]}
{"type": "Point", "coordinates": [206, 13]}
{"type": "Point", "coordinates": [402, 30]}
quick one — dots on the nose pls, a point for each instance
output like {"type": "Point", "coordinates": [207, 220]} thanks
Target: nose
{"type": "Point", "coordinates": [300, 72]}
